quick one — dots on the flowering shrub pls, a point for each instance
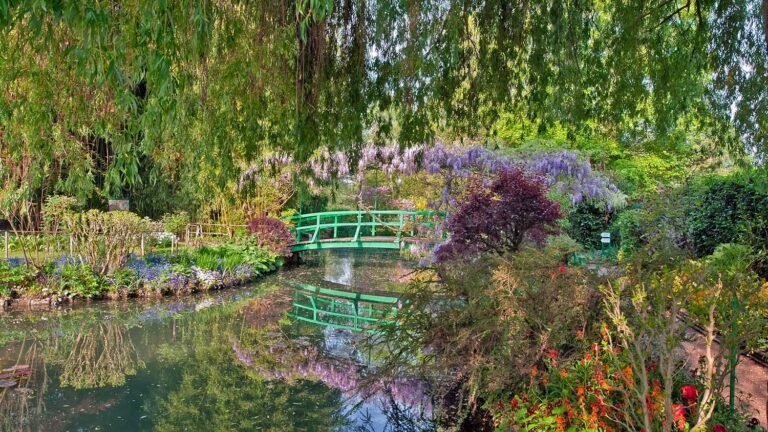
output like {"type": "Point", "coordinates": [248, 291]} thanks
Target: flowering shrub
{"type": "Point", "coordinates": [592, 394]}
{"type": "Point", "coordinates": [498, 217]}
{"type": "Point", "coordinates": [271, 234]}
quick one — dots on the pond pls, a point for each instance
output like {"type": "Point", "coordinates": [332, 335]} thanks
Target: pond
{"type": "Point", "coordinates": [239, 359]}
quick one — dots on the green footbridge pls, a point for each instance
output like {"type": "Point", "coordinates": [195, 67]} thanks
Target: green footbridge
{"type": "Point", "coordinates": [375, 229]}
{"type": "Point", "coordinates": [338, 308]}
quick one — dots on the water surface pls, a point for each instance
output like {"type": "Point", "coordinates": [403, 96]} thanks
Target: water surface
{"type": "Point", "coordinates": [229, 360]}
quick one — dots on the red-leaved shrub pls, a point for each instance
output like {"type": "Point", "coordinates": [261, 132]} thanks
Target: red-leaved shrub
{"type": "Point", "coordinates": [271, 234]}
{"type": "Point", "coordinates": [496, 218]}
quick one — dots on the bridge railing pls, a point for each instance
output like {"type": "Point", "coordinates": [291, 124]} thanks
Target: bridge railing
{"type": "Point", "coordinates": [365, 223]}
{"type": "Point", "coordinates": [342, 309]}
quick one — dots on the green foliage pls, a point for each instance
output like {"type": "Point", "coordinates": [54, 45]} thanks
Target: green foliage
{"type": "Point", "coordinates": [130, 107]}
{"type": "Point", "coordinates": [123, 278]}
{"type": "Point", "coordinates": [105, 238]}
{"type": "Point", "coordinates": [55, 209]}
{"type": "Point", "coordinates": [80, 279]}
{"type": "Point", "coordinates": [585, 223]}
{"type": "Point", "coordinates": [721, 205]}
{"type": "Point", "coordinates": [231, 261]}
{"type": "Point", "coordinates": [14, 278]}
{"type": "Point", "coordinates": [503, 313]}
{"type": "Point", "coordinates": [207, 259]}
{"type": "Point", "coordinates": [175, 223]}
{"type": "Point", "coordinates": [628, 228]}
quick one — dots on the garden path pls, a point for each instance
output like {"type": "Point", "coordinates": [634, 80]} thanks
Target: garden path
{"type": "Point", "coordinates": [751, 384]}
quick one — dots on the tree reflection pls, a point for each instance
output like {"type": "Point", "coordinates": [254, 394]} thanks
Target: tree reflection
{"type": "Point", "coordinates": [99, 356]}
{"type": "Point", "coordinates": [22, 397]}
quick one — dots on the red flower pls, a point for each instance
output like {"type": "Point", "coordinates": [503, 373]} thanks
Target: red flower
{"type": "Point", "coordinates": [552, 354]}
{"type": "Point", "coordinates": [561, 269]}
{"type": "Point", "coordinates": [690, 393]}
{"type": "Point", "coordinates": [513, 403]}
{"type": "Point", "coordinates": [718, 428]}
{"type": "Point", "coordinates": [678, 411]}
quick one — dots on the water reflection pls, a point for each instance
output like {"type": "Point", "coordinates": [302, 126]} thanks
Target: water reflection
{"type": "Point", "coordinates": [343, 309]}
{"type": "Point", "coordinates": [339, 270]}
{"type": "Point", "coordinates": [99, 356]}
{"type": "Point", "coordinates": [230, 360]}
{"type": "Point", "coordinates": [22, 388]}
{"type": "Point", "coordinates": [285, 354]}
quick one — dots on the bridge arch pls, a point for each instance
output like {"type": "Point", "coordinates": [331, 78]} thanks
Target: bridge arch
{"type": "Point", "coordinates": [375, 229]}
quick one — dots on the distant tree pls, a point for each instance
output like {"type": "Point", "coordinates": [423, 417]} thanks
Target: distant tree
{"type": "Point", "coordinates": [496, 218]}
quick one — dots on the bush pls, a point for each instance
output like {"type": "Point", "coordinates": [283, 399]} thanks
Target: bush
{"type": "Point", "coordinates": [14, 278]}
{"type": "Point", "coordinates": [586, 222]}
{"type": "Point", "coordinates": [207, 259]}
{"type": "Point", "coordinates": [497, 218]}
{"type": "Point", "coordinates": [271, 234]}
{"type": "Point", "coordinates": [105, 239]}
{"type": "Point", "coordinates": [730, 209]}
{"type": "Point", "coordinates": [627, 229]}
{"type": "Point", "coordinates": [80, 279]}
{"type": "Point", "coordinates": [175, 223]}
{"type": "Point", "coordinates": [720, 207]}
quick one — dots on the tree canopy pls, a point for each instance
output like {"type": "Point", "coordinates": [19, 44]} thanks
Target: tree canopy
{"type": "Point", "coordinates": [113, 98]}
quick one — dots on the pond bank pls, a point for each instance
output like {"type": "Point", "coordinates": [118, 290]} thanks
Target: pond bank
{"type": "Point", "coordinates": [67, 280]}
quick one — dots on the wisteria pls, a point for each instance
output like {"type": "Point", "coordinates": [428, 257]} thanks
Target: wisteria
{"type": "Point", "coordinates": [564, 172]}
{"type": "Point", "coordinates": [304, 361]}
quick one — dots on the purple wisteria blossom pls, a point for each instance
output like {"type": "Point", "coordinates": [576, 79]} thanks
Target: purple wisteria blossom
{"type": "Point", "coordinates": [563, 171]}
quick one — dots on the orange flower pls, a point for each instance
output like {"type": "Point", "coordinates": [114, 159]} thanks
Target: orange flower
{"type": "Point", "coordinates": [560, 423]}
{"type": "Point", "coordinates": [629, 376]}
{"type": "Point", "coordinates": [679, 412]}
{"type": "Point", "coordinates": [580, 391]}
{"type": "Point", "coordinates": [563, 373]}
{"type": "Point", "coordinates": [534, 371]}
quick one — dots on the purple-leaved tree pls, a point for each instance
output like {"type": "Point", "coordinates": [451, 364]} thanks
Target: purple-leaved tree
{"type": "Point", "coordinates": [496, 218]}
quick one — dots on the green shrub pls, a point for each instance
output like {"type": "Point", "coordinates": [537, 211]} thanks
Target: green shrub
{"type": "Point", "coordinates": [181, 268]}
{"type": "Point", "coordinates": [124, 278]}
{"type": "Point", "coordinates": [105, 238]}
{"type": "Point", "coordinates": [207, 259]}
{"type": "Point", "coordinates": [719, 207]}
{"type": "Point", "coordinates": [627, 229]}
{"type": "Point", "coordinates": [231, 261]}
{"type": "Point", "coordinates": [175, 223]}
{"type": "Point", "coordinates": [80, 279]}
{"type": "Point", "coordinates": [585, 223]}
{"type": "Point", "coordinates": [14, 278]}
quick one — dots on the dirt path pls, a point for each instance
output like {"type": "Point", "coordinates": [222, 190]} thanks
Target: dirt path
{"type": "Point", "coordinates": [751, 384]}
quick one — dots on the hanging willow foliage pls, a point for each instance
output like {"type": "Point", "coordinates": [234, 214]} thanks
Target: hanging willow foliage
{"type": "Point", "coordinates": [125, 97]}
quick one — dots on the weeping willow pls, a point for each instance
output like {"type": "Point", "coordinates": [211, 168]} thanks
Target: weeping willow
{"type": "Point", "coordinates": [167, 101]}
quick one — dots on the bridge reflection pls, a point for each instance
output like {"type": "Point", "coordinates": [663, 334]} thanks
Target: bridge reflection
{"type": "Point", "coordinates": [339, 308]}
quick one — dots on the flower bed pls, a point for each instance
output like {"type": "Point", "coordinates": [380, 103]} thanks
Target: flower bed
{"type": "Point", "coordinates": [204, 269]}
